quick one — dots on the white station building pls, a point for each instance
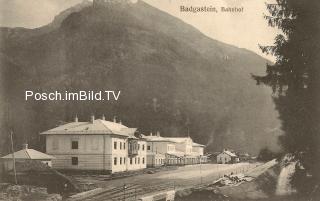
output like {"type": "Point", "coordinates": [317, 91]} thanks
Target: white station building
{"type": "Point", "coordinates": [96, 145]}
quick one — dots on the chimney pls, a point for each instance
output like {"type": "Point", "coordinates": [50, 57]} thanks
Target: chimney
{"type": "Point", "coordinates": [115, 119]}
{"type": "Point", "coordinates": [150, 133]}
{"type": "Point", "coordinates": [158, 133]}
{"type": "Point", "coordinates": [92, 118]}
{"type": "Point", "coordinates": [76, 118]}
{"type": "Point", "coordinates": [24, 146]}
{"type": "Point", "coordinates": [103, 117]}
{"type": "Point", "coordinates": [120, 122]}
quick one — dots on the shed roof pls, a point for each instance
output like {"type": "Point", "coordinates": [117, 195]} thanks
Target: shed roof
{"type": "Point", "coordinates": [29, 154]}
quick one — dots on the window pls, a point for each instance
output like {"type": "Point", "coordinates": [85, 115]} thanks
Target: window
{"type": "Point", "coordinates": [143, 147]}
{"type": "Point", "coordinates": [74, 160]}
{"type": "Point", "coordinates": [130, 161]}
{"type": "Point", "coordinates": [124, 145]}
{"type": "Point", "coordinates": [114, 145]}
{"type": "Point", "coordinates": [138, 160]}
{"type": "Point", "coordinates": [138, 146]}
{"type": "Point", "coordinates": [120, 145]}
{"type": "Point", "coordinates": [148, 148]}
{"type": "Point", "coordinates": [135, 160]}
{"type": "Point", "coordinates": [120, 160]}
{"type": "Point", "coordinates": [74, 145]}
{"type": "Point", "coordinates": [143, 160]}
{"type": "Point", "coordinates": [115, 161]}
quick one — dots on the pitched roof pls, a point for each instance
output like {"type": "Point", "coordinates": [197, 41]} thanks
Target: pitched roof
{"type": "Point", "coordinates": [197, 145]}
{"type": "Point", "coordinates": [178, 139]}
{"type": "Point", "coordinates": [97, 127]}
{"type": "Point", "coordinates": [29, 154]}
{"type": "Point", "coordinates": [171, 139]}
{"type": "Point", "coordinates": [229, 153]}
{"type": "Point", "coordinates": [156, 139]}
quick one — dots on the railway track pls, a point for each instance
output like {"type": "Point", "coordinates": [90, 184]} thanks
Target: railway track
{"type": "Point", "coordinates": [128, 192]}
{"type": "Point", "coordinates": [132, 191]}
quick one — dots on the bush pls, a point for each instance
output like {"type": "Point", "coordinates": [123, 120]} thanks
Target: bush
{"type": "Point", "coordinates": [266, 155]}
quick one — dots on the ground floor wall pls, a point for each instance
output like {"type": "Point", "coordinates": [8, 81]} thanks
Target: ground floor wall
{"type": "Point", "coordinates": [156, 160]}
{"type": "Point", "coordinates": [82, 162]}
{"type": "Point", "coordinates": [7, 164]}
{"type": "Point", "coordinates": [195, 160]}
{"type": "Point", "coordinates": [222, 159]}
{"type": "Point", "coordinates": [137, 162]}
{"type": "Point", "coordinates": [113, 163]}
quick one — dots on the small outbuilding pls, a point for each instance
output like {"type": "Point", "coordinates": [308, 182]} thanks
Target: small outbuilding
{"type": "Point", "coordinates": [227, 157]}
{"type": "Point", "coordinates": [25, 155]}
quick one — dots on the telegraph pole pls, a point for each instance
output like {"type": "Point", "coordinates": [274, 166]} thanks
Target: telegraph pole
{"type": "Point", "coordinates": [13, 159]}
{"type": "Point", "coordinates": [200, 171]}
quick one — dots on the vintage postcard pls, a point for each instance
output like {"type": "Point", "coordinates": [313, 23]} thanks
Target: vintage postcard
{"type": "Point", "coordinates": [162, 100]}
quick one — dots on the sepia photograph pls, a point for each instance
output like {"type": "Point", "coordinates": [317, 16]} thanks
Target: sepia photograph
{"type": "Point", "coordinates": [159, 100]}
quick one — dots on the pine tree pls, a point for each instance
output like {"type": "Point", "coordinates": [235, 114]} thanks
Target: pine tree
{"type": "Point", "coordinates": [295, 80]}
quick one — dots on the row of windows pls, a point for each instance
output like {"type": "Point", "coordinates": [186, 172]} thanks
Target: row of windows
{"type": "Point", "coordinates": [115, 146]}
{"type": "Point", "coordinates": [159, 161]}
{"type": "Point", "coordinates": [122, 160]}
{"type": "Point", "coordinates": [122, 145]}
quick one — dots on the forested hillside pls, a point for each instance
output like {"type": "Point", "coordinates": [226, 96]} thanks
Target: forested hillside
{"type": "Point", "coordinates": [171, 77]}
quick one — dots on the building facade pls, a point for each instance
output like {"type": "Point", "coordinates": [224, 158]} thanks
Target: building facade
{"type": "Point", "coordinates": [25, 155]}
{"type": "Point", "coordinates": [157, 150]}
{"type": "Point", "coordinates": [227, 157]}
{"type": "Point", "coordinates": [173, 151]}
{"type": "Point", "coordinates": [95, 145]}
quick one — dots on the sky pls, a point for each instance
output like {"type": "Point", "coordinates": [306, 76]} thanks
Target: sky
{"type": "Point", "coordinates": [244, 30]}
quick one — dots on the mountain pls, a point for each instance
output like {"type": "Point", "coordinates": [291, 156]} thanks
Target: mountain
{"type": "Point", "coordinates": [172, 78]}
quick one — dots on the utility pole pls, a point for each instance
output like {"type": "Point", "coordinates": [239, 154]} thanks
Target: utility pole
{"type": "Point", "coordinates": [200, 172]}
{"type": "Point", "coordinates": [13, 159]}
